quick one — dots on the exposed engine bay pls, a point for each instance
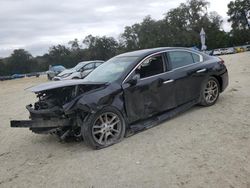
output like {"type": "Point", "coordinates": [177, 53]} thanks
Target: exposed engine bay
{"type": "Point", "coordinates": [48, 115]}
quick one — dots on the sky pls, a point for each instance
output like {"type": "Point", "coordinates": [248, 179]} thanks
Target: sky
{"type": "Point", "coordinates": [36, 25]}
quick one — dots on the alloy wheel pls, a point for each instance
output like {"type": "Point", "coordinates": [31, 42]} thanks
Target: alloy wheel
{"type": "Point", "coordinates": [211, 91]}
{"type": "Point", "coordinates": [107, 128]}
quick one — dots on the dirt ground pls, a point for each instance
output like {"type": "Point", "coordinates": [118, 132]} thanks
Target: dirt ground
{"type": "Point", "coordinates": [203, 147]}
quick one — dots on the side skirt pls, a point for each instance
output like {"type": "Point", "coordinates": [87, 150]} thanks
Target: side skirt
{"type": "Point", "coordinates": [156, 120]}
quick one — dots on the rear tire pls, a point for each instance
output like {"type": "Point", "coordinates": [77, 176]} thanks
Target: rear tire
{"type": "Point", "coordinates": [104, 128]}
{"type": "Point", "coordinates": [210, 92]}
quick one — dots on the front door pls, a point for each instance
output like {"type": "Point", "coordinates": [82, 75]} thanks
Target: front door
{"type": "Point", "coordinates": [153, 92]}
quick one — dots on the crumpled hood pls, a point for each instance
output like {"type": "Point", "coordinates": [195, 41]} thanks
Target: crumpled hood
{"type": "Point", "coordinates": [60, 84]}
{"type": "Point", "coordinates": [67, 71]}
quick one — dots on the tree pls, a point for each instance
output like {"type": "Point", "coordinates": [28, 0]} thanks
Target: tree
{"type": "Point", "coordinates": [130, 37]}
{"type": "Point", "coordinates": [75, 46]}
{"type": "Point", "coordinates": [77, 53]}
{"type": "Point", "coordinates": [60, 54]}
{"type": "Point", "coordinates": [239, 13]}
{"type": "Point", "coordinates": [101, 48]}
{"type": "Point", "coordinates": [21, 61]}
{"type": "Point", "coordinates": [180, 26]}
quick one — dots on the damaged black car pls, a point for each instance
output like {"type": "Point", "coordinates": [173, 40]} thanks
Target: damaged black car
{"type": "Point", "coordinates": [127, 94]}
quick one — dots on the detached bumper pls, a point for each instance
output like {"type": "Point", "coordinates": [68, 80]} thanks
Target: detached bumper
{"type": "Point", "coordinates": [40, 123]}
{"type": "Point", "coordinates": [43, 121]}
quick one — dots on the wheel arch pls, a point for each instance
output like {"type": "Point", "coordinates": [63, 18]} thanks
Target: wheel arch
{"type": "Point", "coordinates": [95, 101]}
{"type": "Point", "coordinates": [219, 79]}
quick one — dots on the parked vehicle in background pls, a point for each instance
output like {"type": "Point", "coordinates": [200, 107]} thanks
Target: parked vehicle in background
{"type": "Point", "coordinates": [81, 70]}
{"type": "Point", "coordinates": [128, 93]}
{"type": "Point", "coordinates": [36, 74]}
{"type": "Point", "coordinates": [2, 78]}
{"type": "Point", "coordinates": [54, 70]}
{"type": "Point", "coordinates": [15, 76]}
{"type": "Point", "coordinates": [225, 51]}
{"type": "Point", "coordinates": [209, 52]}
{"type": "Point", "coordinates": [248, 48]}
{"type": "Point", "coordinates": [239, 49]}
{"type": "Point", "coordinates": [216, 52]}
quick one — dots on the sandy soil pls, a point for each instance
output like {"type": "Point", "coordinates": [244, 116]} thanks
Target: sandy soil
{"type": "Point", "coordinates": [203, 147]}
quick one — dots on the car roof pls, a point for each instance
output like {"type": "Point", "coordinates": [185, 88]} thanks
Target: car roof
{"type": "Point", "coordinates": [58, 66]}
{"type": "Point", "coordinates": [86, 62]}
{"type": "Point", "coordinates": [145, 52]}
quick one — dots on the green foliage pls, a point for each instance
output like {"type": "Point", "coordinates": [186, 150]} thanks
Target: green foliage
{"type": "Point", "coordinates": [180, 26]}
{"type": "Point", "coordinates": [239, 13]}
{"type": "Point", "coordinates": [20, 61]}
{"type": "Point", "coordinates": [101, 48]}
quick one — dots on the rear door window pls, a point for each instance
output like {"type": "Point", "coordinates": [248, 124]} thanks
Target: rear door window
{"type": "Point", "coordinates": [89, 66]}
{"type": "Point", "coordinates": [98, 64]}
{"type": "Point", "coordinates": [180, 59]}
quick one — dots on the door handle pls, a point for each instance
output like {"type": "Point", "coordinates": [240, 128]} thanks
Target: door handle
{"type": "Point", "coordinates": [201, 70]}
{"type": "Point", "coordinates": [168, 81]}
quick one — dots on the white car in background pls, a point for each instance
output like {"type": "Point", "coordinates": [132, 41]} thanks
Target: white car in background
{"type": "Point", "coordinates": [224, 51]}
{"type": "Point", "coordinates": [81, 70]}
{"type": "Point", "coordinates": [227, 51]}
{"type": "Point", "coordinates": [216, 52]}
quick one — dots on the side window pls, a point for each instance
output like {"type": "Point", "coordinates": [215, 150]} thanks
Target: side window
{"type": "Point", "coordinates": [180, 59]}
{"type": "Point", "coordinates": [151, 66]}
{"type": "Point", "coordinates": [196, 58]}
{"type": "Point", "coordinates": [89, 66]}
{"type": "Point", "coordinates": [97, 64]}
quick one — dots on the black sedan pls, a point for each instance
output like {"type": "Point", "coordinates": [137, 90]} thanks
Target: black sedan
{"type": "Point", "coordinates": [129, 93]}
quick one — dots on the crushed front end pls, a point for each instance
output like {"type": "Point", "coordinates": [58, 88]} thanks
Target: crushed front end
{"type": "Point", "coordinates": [48, 114]}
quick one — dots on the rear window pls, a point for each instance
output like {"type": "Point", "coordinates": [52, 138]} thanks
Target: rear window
{"type": "Point", "coordinates": [57, 68]}
{"type": "Point", "coordinates": [196, 58]}
{"type": "Point", "coordinates": [97, 64]}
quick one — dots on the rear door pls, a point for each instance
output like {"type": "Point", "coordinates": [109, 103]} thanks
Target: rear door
{"type": "Point", "coordinates": [189, 74]}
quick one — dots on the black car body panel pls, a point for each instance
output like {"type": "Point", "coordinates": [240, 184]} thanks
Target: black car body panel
{"type": "Point", "coordinates": [143, 99]}
{"type": "Point", "coordinates": [58, 84]}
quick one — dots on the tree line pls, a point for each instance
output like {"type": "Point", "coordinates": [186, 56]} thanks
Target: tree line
{"type": "Point", "coordinates": [180, 26]}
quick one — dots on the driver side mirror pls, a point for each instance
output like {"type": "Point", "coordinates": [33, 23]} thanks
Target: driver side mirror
{"type": "Point", "coordinates": [134, 79]}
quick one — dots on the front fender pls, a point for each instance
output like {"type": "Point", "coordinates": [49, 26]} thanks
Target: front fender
{"type": "Point", "coordinates": [110, 95]}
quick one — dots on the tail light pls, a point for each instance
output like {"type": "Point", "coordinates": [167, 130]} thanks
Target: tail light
{"type": "Point", "coordinates": [221, 60]}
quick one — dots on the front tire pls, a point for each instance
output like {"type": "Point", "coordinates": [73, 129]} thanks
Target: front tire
{"type": "Point", "coordinates": [103, 128]}
{"type": "Point", "coordinates": [210, 92]}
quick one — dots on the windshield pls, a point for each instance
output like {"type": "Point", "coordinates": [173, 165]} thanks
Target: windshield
{"type": "Point", "coordinates": [57, 68]}
{"type": "Point", "coordinates": [110, 70]}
